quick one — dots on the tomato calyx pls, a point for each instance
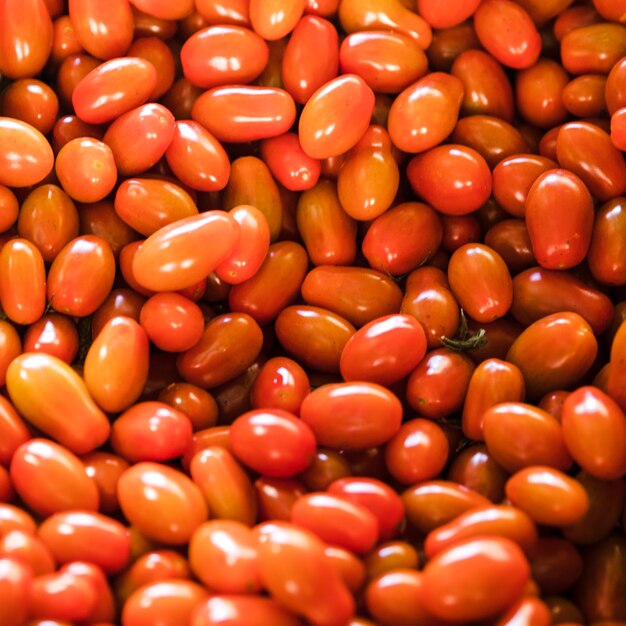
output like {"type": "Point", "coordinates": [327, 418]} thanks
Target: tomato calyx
{"type": "Point", "coordinates": [464, 339]}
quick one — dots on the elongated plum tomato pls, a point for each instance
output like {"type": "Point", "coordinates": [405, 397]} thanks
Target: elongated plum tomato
{"type": "Point", "coordinates": [52, 396]}
{"type": "Point", "coordinates": [16, 577]}
{"type": "Point", "coordinates": [296, 571]}
{"type": "Point", "coordinates": [336, 117]}
{"type": "Point", "coordinates": [243, 610]}
{"type": "Point", "coordinates": [399, 339]}
{"type": "Point", "coordinates": [475, 579]}
{"type": "Point", "coordinates": [116, 366]}
{"type": "Point", "coordinates": [352, 415]}
{"type": "Point", "coordinates": [39, 466]}
{"type": "Point", "coordinates": [30, 158]}
{"type": "Point", "coordinates": [161, 502]}
{"type": "Point", "coordinates": [183, 253]}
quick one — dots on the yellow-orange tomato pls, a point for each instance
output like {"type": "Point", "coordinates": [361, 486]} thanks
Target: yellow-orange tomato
{"type": "Point", "coordinates": [45, 390]}
{"type": "Point", "coordinates": [161, 502]}
{"type": "Point", "coordinates": [116, 365]}
{"type": "Point", "coordinates": [38, 469]}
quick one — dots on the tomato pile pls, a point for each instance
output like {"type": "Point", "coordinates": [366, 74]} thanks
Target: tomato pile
{"type": "Point", "coordinates": [312, 312]}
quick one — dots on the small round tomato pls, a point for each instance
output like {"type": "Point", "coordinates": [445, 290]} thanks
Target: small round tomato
{"type": "Point", "coordinates": [161, 502]}
{"type": "Point", "coordinates": [172, 322]}
{"type": "Point", "coordinates": [281, 384]}
{"type": "Point", "coordinates": [272, 442]}
{"type": "Point", "coordinates": [288, 163]}
{"type": "Point", "coordinates": [15, 584]}
{"type": "Point", "coordinates": [242, 610]}
{"type": "Point", "coordinates": [391, 555]}
{"type": "Point", "coordinates": [417, 452]}
{"type": "Point", "coordinates": [13, 431]}
{"type": "Point", "coordinates": [105, 469]}
{"type": "Point", "coordinates": [474, 579]}
{"type": "Point", "coordinates": [224, 484]}
{"type": "Point", "coordinates": [119, 303]}
{"type": "Point", "coordinates": [55, 335]}
{"type": "Point", "coordinates": [547, 495]}
{"type": "Point", "coordinates": [39, 466]}
{"type": "Point", "coordinates": [352, 415]}
{"type": "Point", "coordinates": [86, 536]}
{"type": "Point", "coordinates": [196, 403]}
{"type": "Point", "coordinates": [477, 470]}
{"type": "Point", "coordinates": [555, 565]}
{"type": "Point", "coordinates": [30, 549]}
{"type": "Point", "coordinates": [33, 102]}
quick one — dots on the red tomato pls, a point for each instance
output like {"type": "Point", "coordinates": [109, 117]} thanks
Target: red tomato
{"type": "Point", "coordinates": [311, 57]}
{"type": "Point", "coordinates": [112, 89]}
{"type": "Point", "coordinates": [177, 256]}
{"type": "Point", "coordinates": [336, 116]}
{"type": "Point", "coordinates": [25, 36]}
{"type": "Point", "coordinates": [474, 579]}
{"type": "Point", "coordinates": [288, 163]}
{"type": "Point", "coordinates": [272, 442]}
{"type": "Point", "coordinates": [151, 431]}
{"type": "Point", "coordinates": [39, 467]}
{"type": "Point", "coordinates": [22, 281]}
{"type": "Point", "coordinates": [196, 403]}
{"type": "Point", "coordinates": [15, 587]}
{"type": "Point", "coordinates": [105, 469]}
{"type": "Point", "coordinates": [240, 113]}
{"type": "Point", "coordinates": [390, 335]}
{"type": "Point", "coordinates": [547, 495]}
{"type": "Point", "coordinates": [223, 555]}
{"type": "Point", "coordinates": [242, 611]}
{"type": "Point", "coordinates": [45, 390]}
{"type": "Point", "coordinates": [272, 19]}
{"type": "Point", "coordinates": [352, 415]}
{"type": "Point", "coordinates": [444, 17]}
{"type": "Point", "coordinates": [281, 384]}
{"type": "Point", "coordinates": [296, 571]}
{"type": "Point", "coordinates": [29, 549]}
{"type": "Point", "coordinates": [594, 428]}
{"type": "Point", "coordinates": [454, 179]}
{"type": "Point", "coordinates": [172, 322]}
{"type": "Point", "coordinates": [593, 48]}
{"type": "Point", "coordinates": [162, 9]}
{"type": "Point", "coordinates": [31, 158]}
{"type": "Point", "coordinates": [140, 137]}
{"type": "Point", "coordinates": [476, 469]}
{"type": "Point", "coordinates": [161, 502]}
{"type": "Point", "coordinates": [519, 435]}
{"type": "Point", "coordinates": [224, 484]}
{"type": "Point", "coordinates": [33, 102]}
{"type": "Point", "coordinates": [116, 365]}
{"type": "Point", "coordinates": [13, 431]}
{"type": "Point", "coordinates": [223, 55]}
{"type": "Point", "coordinates": [506, 30]}
{"type": "Point", "coordinates": [337, 521]}
{"type": "Point", "coordinates": [417, 452]}
{"type": "Point", "coordinates": [88, 537]}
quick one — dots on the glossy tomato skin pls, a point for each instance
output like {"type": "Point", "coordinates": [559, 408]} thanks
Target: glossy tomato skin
{"type": "Point", "coordinates": [224, 484]}
{"type": "Point", "coordinates": [241, 113]}
{"type": "Point", "coordinates": [59, 390]}
{"type": "Point", "coordinates": [336, 116]}
{"type": "Point", "coordinates": [13, 431]}
{"type": "Point", "coordinates": [593, 48]}
{"type": "Point", "coordinates": [116, 365]}
{"type": "Point", "coordinates": [493, 381]}
{"type": "Point", "coordinates": [352, 415]}
{"type": "Point", "coordinates": [519, 435]}
{"type": "Point", "coordinates": [140, 137]}
{"type": "Point", "coordinates": [105, 32]}
{"type": "Point", "coordinates": [439, 174]}
{"type": "Point", "coordinates": [29, 549]}
{"type": "Point", "coordinates": [86, 536]}
{"type": "Point", "coordinates": [401, 337]}
{"type": "Point", "coordinates": [242, 610]}
{"type": "Point", "coordinates": [31, 101]}
{"type": "Point", "coordinates": [30, 161]}
{"type": "Point", "coordinates": [272, 442]}
{"type": "Point", "coordinates": [281, 384]}
{"type": "Point", "coordinates": [177, 256]}
{"type": "Point", "coordinates": [538, 292]}
{"type": "Point", "coordinates": [39, 466]}
{"type": "Point", "coordinates": [172, 516]}
{"type": "Point", "coordinates": [10, 347]}
{"type": "Point", "coordinates": [555, 565]}
{"type": "Point", "coordinates": [16, 579]}
{"type": "Point", "coordinates": [55, 335]}
{"type": "Point", "coordinates": [223, 55]}
{"type": "Point", "coordinates": [480, 281]}
{"type": "Point", "coordinates": [296, 571]}
{"type": "Point", "coordinates": [549, 496]}
{"type": "Point", "coordinates": [493, 571]}
{"type": "Point", "coordinates": [105, 469]}
{"type": "Point", "coordinates": [569, 349]}
{"type": "Point", "coordinates": [81, 276]}
{"type": "Point", "coordinates": [21, 266]}
{"type": "Point", "coordinates": [597, 443]}
{"type": "Point", "coordinates": [229, 345]}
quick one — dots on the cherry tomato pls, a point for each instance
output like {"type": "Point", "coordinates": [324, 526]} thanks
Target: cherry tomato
{"type": "Point", "coordinates": [272, 20]}
{"type": "Point", "coordinates": [444, 17]}
{"type": "Point", "coordinates": [15, 583]}
{"type": "Point", "coordinates": [519, 435]}
{"type": "Point", "coordinates": [105, 469]}
{"type": "Point", "coordinates": [593, 48]}
{"type": "Point", "coordinates": [288, 163]}
{"type": "Point", "coordinates": [389, 556]}
{"type": "Point", "coordinates": [453, 179]}
{"type": "Point", "coordinates": [474, 579]}
{"type": "Point", "coordinates": [177, 256]}
{"type": "Point", "coordinates": [55, 335]}
{"type": "Point", "coordinates": [13, 431]}
{"type": "Point", "coordinates": [33, 102]}
{"type": "Point", "coordinates": [224, 484]}
{"type": "Point", "coordinates": [38, 469]}
{"type": "Point", "coordinates": [161, 502]}
{"type": "Point", "coordinates": [352, 415]}
{"type": "Point", "coordinates": [45, 390]}
{"type": "Point", "coordinates": [547, 495]}
{"type": "Point", "coordinates": [417, 452]}
{"type": "Point", "coordinates": [281, 384]}
{"type": "Point", "coordinates": [242, 611]}
{"type": "Point", "coordinates": [29, 549]}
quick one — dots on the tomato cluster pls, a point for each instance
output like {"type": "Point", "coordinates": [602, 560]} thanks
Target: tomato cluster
{"type": "Point", "coordinates": [312, 312]}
